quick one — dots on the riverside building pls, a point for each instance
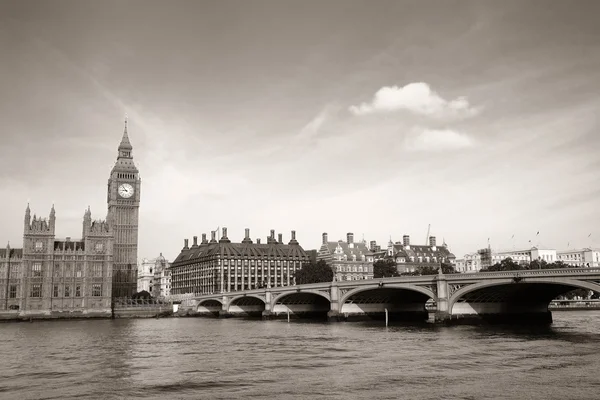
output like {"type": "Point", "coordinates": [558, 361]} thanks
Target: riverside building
{"type": "Point", "coordinates": [56, 277]}
{"type": "Point", "coordinates": [350, 261]}
{"type": "Point", "coordinates": [410, 257]}
{"type": "Point", "coordinates": [219, 266]}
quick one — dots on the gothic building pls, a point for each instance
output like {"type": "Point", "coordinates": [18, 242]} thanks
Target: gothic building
{"type": "Point", "coordinates": [222, 266]}
{"type": "Point", "coordinates": [56, 277]}
{"type": "Point", "coordinates": [123, 199]}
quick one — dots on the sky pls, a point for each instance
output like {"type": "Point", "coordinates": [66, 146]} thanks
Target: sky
{"type": "Point", "coordinates": [479, 119]}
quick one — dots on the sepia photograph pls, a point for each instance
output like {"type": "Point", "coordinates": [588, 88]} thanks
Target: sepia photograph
{"type": "Point", "coordinates": [299, 199]}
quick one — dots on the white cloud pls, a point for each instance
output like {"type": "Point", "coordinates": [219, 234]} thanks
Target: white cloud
{"type": "Point", "coordinates": [437, 140]}
{"type": "Point", "coordinates": [417, 98]}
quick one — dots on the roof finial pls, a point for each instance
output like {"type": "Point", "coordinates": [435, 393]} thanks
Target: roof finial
{"type": "Point", "coordinates": [125, 122]}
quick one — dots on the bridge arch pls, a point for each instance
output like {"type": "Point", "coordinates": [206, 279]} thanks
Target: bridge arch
{"type": "Point", "coordinates": [397, 286]}
{"type": "Point", "coordinates": [545, 289]}
{"type": "Point", "coordinates": [281, 295]}
{"type": "Point", "coordinates": [208, 306]}
{"type": "Point", "coordinates": [235, 299]}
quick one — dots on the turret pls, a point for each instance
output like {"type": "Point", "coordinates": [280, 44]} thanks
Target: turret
{"type": "Point", "coordinates": [87, 222]}
{"type": "Point", "coordinates": [52, 219]}
{"type": "Point", "coordinates": [27, 222]}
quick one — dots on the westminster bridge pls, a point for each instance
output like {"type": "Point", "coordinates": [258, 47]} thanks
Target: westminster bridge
{"type": "Point", "coordinates": [507, 296]}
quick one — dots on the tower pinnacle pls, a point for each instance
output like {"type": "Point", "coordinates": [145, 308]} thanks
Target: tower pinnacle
{"type": "Point", "coordinates": [125, 145]}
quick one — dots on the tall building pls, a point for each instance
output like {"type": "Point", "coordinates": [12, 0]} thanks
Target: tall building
{"type": "Point", "coordinates": [409, 257]}
{"type": "Point", "coordinates": [349, 260]}
{"type": "Point", "coordinates": [222, 266]}
{"type": "Point", "coordinates": [50, 276]}
{"type": "Point", "coordinates": [123, 199]}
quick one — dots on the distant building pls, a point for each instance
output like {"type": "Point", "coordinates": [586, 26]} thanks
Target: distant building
{"type": "Point", "coordinates": [222, 266]}
{"type": "Point", "coordinates": [410, 257]}
{"type": "Point", "coordinates": [484, 258]}
{"type": "Point", "coordinates": [162, 278]}
{"type": "Point", "coordinates": [154, 276]}
{"type": "Point", "coordinates": [145, 275]}
{"type": "Point", "coordinates": [375, 249]}
{"type": "Point", "coordinates": [349, 260]}
{"type": "Point", "coordinates": [534, 253]}
{"type": "Point", "coordinates": [585, 257]}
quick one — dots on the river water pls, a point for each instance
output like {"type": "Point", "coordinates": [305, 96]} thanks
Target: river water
{"type": "Point", "coordinates": [197, 358]}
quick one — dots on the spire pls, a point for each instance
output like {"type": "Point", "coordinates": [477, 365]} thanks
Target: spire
{"type": "Point", "coordinates": [125, 145]}
{"type": "Point", "coordinates": [52, 212]}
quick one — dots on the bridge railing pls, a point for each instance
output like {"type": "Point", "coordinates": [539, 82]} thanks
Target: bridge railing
{"type": "Point", "coordinates": [527, 272]}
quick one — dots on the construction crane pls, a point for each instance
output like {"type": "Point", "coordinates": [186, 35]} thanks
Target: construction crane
{"type": "Point", "coordinates": [427, 238]}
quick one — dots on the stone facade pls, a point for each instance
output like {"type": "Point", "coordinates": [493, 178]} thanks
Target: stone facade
{"type": "Point", "coordinates": [410, 257]}
{"type": "Point", "coordinates": [222, 266]}
{"type": "Point", "coordinates": [586, 257]}
{"type": "Point", "coordinates": [349, 260]}
{"type": "Point", "coordinates": [123, 198]}
{"type": "Point", "coordinates": [51, 277]}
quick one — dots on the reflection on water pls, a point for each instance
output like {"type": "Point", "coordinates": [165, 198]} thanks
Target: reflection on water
{"type": "Point", "coordinates": [194, 358]}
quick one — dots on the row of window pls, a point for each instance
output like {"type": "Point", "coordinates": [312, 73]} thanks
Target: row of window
{"type": "Point", "coordinates": [354, 268]}
{"type": "Point", "coordinates": [35, 290]}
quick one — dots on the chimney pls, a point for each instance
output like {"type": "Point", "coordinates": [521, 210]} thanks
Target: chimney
{"type": "Point", "coordinates": [258, 241]}
{"type": "Point", "coordinates": [204, 238]}
{"type": "Point", "coordinates": [325, 238]}
{"type": "Point", "coordinates": [68, 239]}
{"type": "Point", "coordinates": [185, 243]}
{"type": "Point", "coordinates": [293, 240]}
{"type": "Point", "coordinates": [213, 235]}
{"type": "Point", "coordinates": [280, 238]}
{"type": "Point", "coordinates": [372, 245]}
{"type": "Point", "coordinates": [224, 232]}
{"type": "Point", "coordinates": [350, 237]}
{"type": "Point", "coordinates": [247, 237]}
{"type": "Point", "coordinates": [272, 233]}
{"type": "Point", "coordinates": [195, 240]}
{"type": "Point", "coordinates": [432, 241]}
{"type": "Point", "coordinates": [406, 240]}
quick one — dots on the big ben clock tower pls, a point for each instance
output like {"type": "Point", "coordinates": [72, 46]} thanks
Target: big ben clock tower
{"type": "Point", "coordinates": [123, 213]}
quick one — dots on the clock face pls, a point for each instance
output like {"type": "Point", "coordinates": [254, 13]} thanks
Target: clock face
{"type": "Point", "coordinates": [125, 190]}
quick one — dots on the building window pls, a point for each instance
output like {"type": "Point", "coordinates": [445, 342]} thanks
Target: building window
{"type": "Point", "coordinates": [96, 290]}
{"type": "Point", "coordinates": [12, 292]}
{"type": "Point", "coordinates": [55, 292]}
{"type": "Point", "coordinates": [39, 245]}
{"type": "Point", "coordinates": [36, 290]}
{"type": "Point", "coordinates": [77, 291]}
{"type": "Point", "coordinates": [67, 291]}
{"type": "Point", "coordinates": [78, 269]}
{"type": "Point", "coordinates": [97, 270]}
{"type": "Point", "coordinates": [36, 270]}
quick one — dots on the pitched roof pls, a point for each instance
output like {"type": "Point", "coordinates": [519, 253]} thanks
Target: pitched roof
{"type": "Point", "coordinates": [356, 248]}
{"type": "Point", "coordinates": [13, 253]}
{"type": "Point", "coordinates": [422, 251]}
{"type": "Point", "coordinates": [238, 250]}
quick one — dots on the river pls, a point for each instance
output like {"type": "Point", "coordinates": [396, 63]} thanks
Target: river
{"type": "Point", "coordinates": [197, 358]}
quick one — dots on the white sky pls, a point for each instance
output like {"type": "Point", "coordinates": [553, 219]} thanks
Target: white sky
{"type": "Point", "coordinates": [377, 118]}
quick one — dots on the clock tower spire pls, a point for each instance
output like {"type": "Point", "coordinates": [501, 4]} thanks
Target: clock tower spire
{"type": "Point", "coordinates": [123, 200]}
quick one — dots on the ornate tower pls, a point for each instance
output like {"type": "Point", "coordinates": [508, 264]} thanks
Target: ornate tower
{"type": "Point", "coordinates": [124, 187]}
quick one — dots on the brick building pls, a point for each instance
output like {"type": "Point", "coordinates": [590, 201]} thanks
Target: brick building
{"type": "Point", "coordinates": [223, 266]}
{"type": "Point", "coordinates": [409, 257]}
{"type": "Point", "coordinates": [349, 260]}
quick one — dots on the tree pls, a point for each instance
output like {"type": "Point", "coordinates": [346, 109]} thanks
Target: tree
{"type": "Point", "coordinates": [505, 265]}
{"type": "Point", "coordinates": [314, 273]}
{"type": "Point", "coordinates": [141, 295]}
{"type": "Point", "coordinates": [386, 268]}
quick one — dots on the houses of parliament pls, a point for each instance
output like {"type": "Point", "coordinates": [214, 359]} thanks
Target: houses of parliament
{"type": "Point", "coordinates": [56, 277]}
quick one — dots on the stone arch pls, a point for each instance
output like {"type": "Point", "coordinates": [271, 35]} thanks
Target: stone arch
{"type": "Point", "coordinates": [409, 287]}
{"type": "Point", "coordinates": [573, 283]}
{"type": "Point", "coordinates": [299, 291]}
{"type": "Point", "coordinates": [201, 302]}
{"type": "Point", "coordinates": [253, 296]}
{"type": "Point", "coordinates": [208, 305]}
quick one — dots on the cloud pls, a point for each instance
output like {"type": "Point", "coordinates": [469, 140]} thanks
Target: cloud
{"type": "Point", "coordinates": [437, 140]}
{"type": "Point", "coordinates": [417, 98]}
